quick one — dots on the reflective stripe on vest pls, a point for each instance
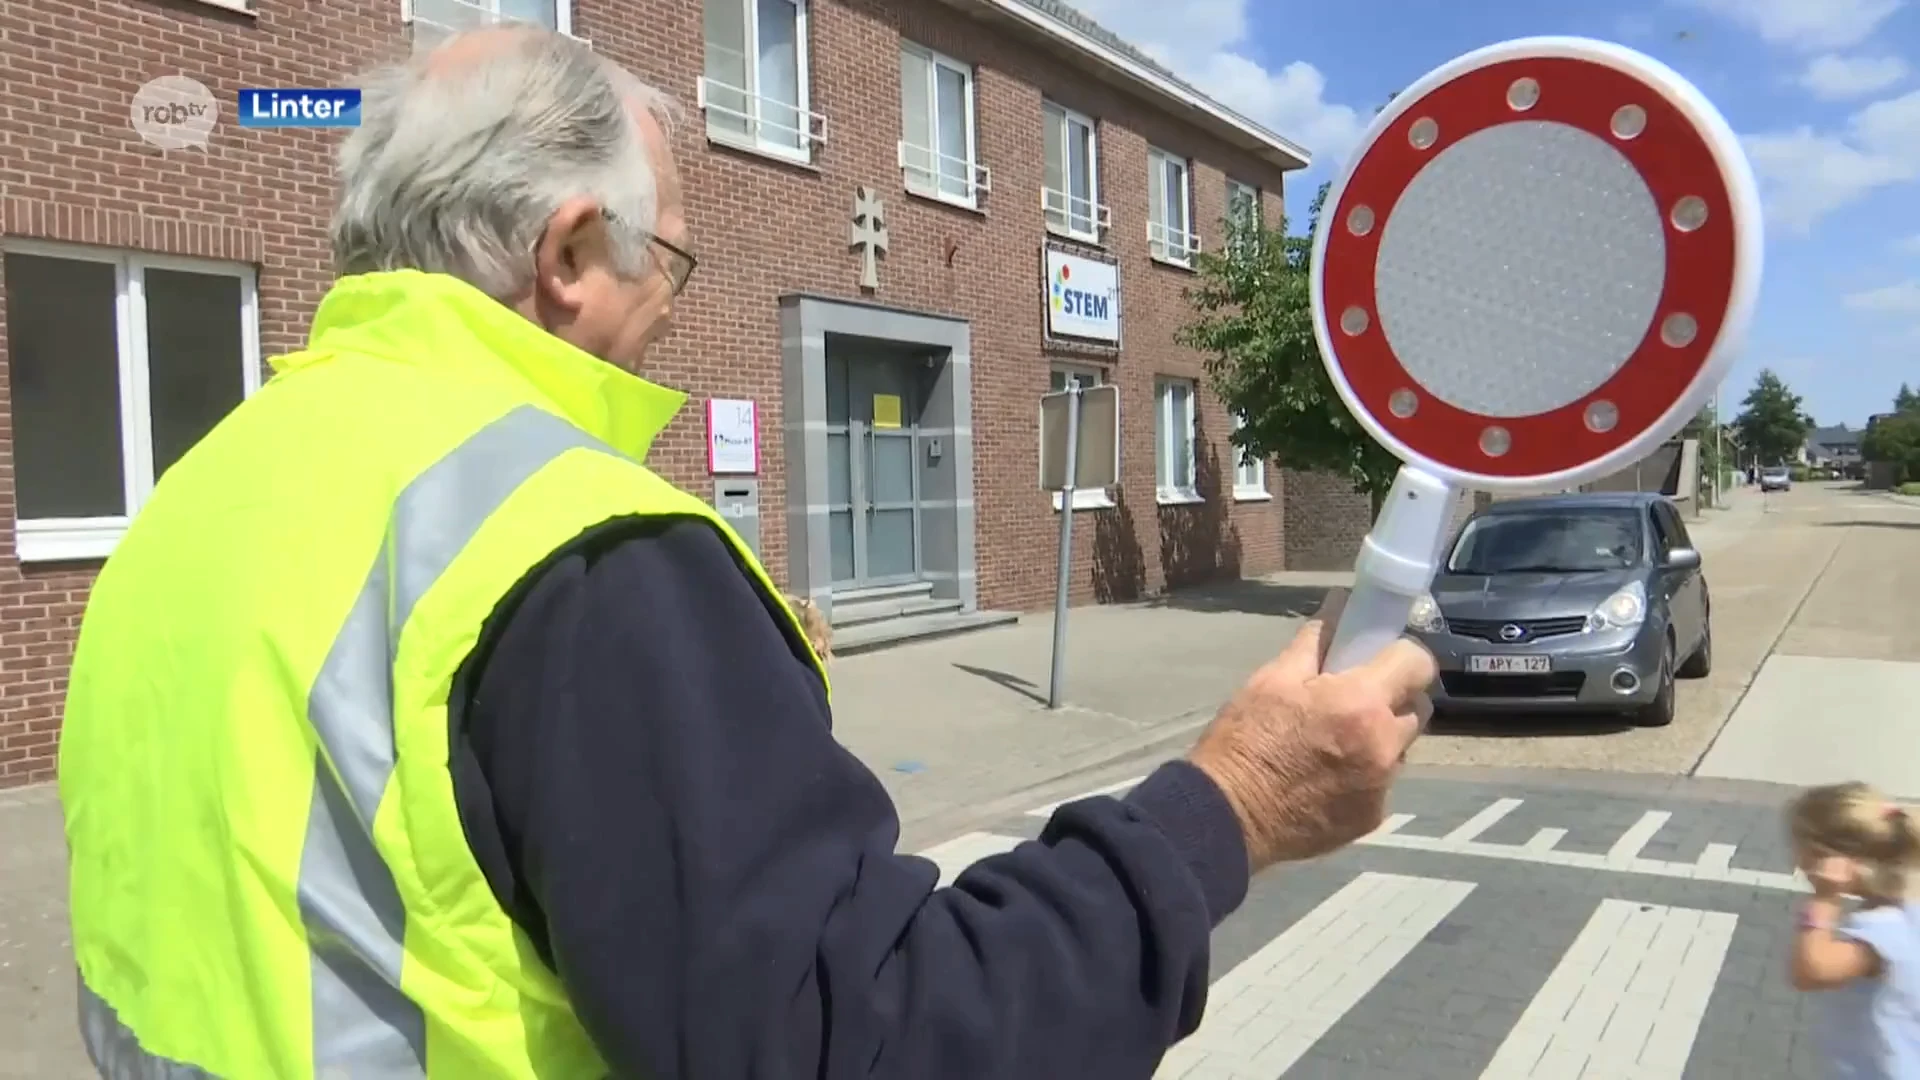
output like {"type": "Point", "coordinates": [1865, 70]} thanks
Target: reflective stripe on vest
{"type": "Point", "coordinates": [363, 1026]}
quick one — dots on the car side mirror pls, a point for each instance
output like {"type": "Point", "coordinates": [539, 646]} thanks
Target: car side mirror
{"type": "Point", "coordinates": [1682, 559]}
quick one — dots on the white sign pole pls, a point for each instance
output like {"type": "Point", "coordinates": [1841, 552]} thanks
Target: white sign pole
{"type": "Point", "coordinates": [1057, 683]}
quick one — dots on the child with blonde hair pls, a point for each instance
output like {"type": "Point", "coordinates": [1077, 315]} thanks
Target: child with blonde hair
{"type": "Point", "coordinates": [1859, 934]}
{"type": "Point", "coordinates": [819, 631]}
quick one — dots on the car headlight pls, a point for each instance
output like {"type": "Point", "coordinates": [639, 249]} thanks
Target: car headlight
{"type": "Point", "coordinates": [1425, 616]}
{"type": "Point", "coordinates": [1621, 611]}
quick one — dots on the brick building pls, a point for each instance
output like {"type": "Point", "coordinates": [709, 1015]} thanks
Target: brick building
{"type": "Point", "coordinates": [1017, 157]}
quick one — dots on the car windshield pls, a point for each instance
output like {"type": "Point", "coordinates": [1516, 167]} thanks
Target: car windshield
{"type": "Point", "coordinates": [1773, 472]}
{"type": "Point", "coordinates": [1548, 541]}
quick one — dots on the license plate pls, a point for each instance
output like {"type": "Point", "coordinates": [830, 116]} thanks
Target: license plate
{"type": "Point", "coordinates": [1509, 665]}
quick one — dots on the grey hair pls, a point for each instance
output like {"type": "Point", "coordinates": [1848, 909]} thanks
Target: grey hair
{"type": "Point", "coordinates": [456, 167]}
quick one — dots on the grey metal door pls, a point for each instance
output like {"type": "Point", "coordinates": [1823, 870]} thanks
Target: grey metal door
{"type": "Point", "coordinates": [873, 445]}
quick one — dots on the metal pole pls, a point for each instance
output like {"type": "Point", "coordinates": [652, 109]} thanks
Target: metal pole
{"type": "Point", "coordinates": [1056, 686]}
{"type": "Point", "coordinates": [1719, 449]}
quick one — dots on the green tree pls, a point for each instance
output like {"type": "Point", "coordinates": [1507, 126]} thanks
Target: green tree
{"type": "Point", "coordinates": [1712, 450]}
{"type": "Point", "coordinates": [1896, 438]}
{"type": "Point", "coordinates": [1773, 423]}
{"type": "Point", "coordinates": [1254, 323]}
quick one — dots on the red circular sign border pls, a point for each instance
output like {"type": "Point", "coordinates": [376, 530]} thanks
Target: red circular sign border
{"type": "Point", "coordinates": [1672, 157]}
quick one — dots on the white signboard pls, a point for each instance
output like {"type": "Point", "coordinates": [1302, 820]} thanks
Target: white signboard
{"type": "Point", "coordinates": [1083, 297]}
{"type": "Point", "coordinates": [733, 436]}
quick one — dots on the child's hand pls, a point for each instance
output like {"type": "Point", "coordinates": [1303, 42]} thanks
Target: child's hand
{"type": "Point", "coordinates": [1834, 875]}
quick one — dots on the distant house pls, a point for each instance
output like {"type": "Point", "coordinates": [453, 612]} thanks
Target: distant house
{"type": "Point", "coordinates": [1835, 447]}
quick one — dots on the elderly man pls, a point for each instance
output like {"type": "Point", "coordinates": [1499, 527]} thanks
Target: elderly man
{"type": "Point", "coordinates": [417, 730]}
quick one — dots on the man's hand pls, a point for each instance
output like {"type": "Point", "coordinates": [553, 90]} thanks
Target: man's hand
{"type": "Point", "coordinates": [1306, 758]}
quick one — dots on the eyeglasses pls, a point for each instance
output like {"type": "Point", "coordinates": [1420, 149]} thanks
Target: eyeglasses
{"type": "Point", "coordinates": [679, 264]}
{"type": "Point", "coordinates": [676, 262]}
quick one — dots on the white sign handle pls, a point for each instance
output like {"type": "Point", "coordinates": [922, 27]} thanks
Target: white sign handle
{"type": "Point", "coordinates": [1396, 565]}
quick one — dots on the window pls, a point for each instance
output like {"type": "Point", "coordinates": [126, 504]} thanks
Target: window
{"type": "Point", "coordinates": [1170, 236]}
{"type": "Point", "coordinates": [1072, 193]}
{"type": "Point", "coordinates": [754, 92]}
{"type": "Point", "coordinates": [1173, 440]}
{"type": "Point", "coordinates": [434, 20]}
{"type": "Point", "coordinates": [938, 151]}
{"type": "Point", "coordinates": [120, 363]}
{"type": "Point", "coordinates": [1062, 376]}
{"type": "Point", "coordinates": [1569, 542]}
{"type": "Point", "coordinates": [1243, 203]}
{"type": "Point", "coordinates": [1250, 475]}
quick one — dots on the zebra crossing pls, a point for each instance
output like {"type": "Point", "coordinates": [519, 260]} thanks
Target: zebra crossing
{"type": "Point", "coordinates": [1465, 938]}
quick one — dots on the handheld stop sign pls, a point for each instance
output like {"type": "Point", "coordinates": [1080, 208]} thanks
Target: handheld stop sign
{"type": "Point", "coordinates": [1536, 268]}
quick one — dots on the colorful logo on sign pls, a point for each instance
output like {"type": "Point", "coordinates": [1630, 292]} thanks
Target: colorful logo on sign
{"type": "Point", "coordinates": [1071, 301]}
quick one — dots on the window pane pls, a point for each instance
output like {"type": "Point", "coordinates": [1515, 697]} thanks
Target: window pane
{"type": "Point", "coordinates": [916, 114]}
{"type": "Point", "coordinates": [951, 112]}
{"type": "Point", "coordinates": [1162, 448]}
{"type": "Point", "coordinates": [195, 358]}
{"type": "Point", "coordinates": [1056, 381]}
{"type": "Point", "coordinates": [1183, 435]}
{"type": "Point", "coordinates": [1055, 180]}
{"type": "Point", "coordinates": [778, 71]}
{"type": "Point", "coordinates": [726, 33]}
{"type": "Point", "coordinates": [1176, 203]}
{"type": "Point", "coordinates": [1080, 177]}
{"type": "Point", "coordinates": [64, 360]}
{"type": "Point", "coordinates": [540, 12]}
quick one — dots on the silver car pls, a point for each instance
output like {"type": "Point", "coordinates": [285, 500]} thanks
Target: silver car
{"type": "Point", "coordinates": [1581, 602]}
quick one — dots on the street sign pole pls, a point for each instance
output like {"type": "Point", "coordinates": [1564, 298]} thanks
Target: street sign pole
{"type": "Point", "coordinates": [1719, 449]}
{"type": "Point", "coordinates": [1056, 685]}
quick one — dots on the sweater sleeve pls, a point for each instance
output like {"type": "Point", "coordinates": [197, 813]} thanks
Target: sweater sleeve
{"type": "Point", "coordinates": [649, 777]}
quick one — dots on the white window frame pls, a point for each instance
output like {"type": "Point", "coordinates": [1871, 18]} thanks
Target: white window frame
{"type": "Point", "coordinates": [1061, 202]}
{"type": "Point", "coordinates": [1166, 243]}
{"type": "Point", "coordinates": [1083, 498]}
{"type": "Point", "coordinates": [920, 165]}
{"type": "Point", "coordinates": [1237, 189]}
{"type": "Point", "coordinates": [1249, 472]}
{"type": "Point", "coordinates": [814, 132]}
{"type": "Point", "coordinates": [1167, 426]}
{"type": "Point", "coordinates": [91, 538]}
{"type": "Point", "coordinates": [479, 13]}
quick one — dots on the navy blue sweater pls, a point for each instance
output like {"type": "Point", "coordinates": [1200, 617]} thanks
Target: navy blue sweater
{"type": "Point", "coordinates": [647, 774]}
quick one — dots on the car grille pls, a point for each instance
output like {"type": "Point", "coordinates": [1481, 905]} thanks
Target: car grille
{"type": "Point", "coordinates": [1489, 629]}
{"type": "Point", "coordinates": [1559, 684]}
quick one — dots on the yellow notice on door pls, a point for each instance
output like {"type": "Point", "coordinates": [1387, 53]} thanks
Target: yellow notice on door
{"type": "Point", "coordinates": [886, 411]}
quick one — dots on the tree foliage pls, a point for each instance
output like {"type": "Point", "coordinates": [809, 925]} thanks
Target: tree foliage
{"type": "Point", "coordinates": [1254, 323]}
{"type": "Point", "coordinates": [1773, 423]}
{"type": "Point", "coordinates": [1896, 438]}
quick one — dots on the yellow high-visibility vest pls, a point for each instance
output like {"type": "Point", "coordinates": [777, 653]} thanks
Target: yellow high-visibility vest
{"type": "Point", "coordinates": [269, 876]}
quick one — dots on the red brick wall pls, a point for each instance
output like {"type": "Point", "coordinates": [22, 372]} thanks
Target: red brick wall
{"type": "Point", "coordinates": [71, 169]}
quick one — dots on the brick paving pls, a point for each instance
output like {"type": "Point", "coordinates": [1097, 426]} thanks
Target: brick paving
{"type": "Point", "coordinates": [1511, 925]}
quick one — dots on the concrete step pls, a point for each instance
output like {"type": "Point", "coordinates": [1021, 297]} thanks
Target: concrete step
{"type": "Point", "coordinates": [904, 609]}
{"type": "Point", "coordinates": [882, 633]}
{"type": "Point", "coordinates": [856, 606]}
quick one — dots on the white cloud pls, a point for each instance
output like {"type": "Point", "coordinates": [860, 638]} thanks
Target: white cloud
{"type": "Point", "coordinates": [1806, 175]}
{"type": "Point", "coordinates": [1806, 25]}
{"type": "Point", "coordinates": [1205, 42]}
{"type": "Point", "coordinates": [1901, 298]}
{"type": "Point", "coordinates": [1832, 77]}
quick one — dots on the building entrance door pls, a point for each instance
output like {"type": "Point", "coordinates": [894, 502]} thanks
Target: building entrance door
{"type": "Point", "coordinates": [874, 400]}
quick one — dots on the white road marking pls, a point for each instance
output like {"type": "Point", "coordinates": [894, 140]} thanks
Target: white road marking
{"type": "Point", "coordinates": [1266, 1013]}
{"type": "Point", "coordinates": [1626, 849]}
{"type": "Point", "coordinates": [1625, 1000]}
{"type": "Point", "coordinates": [1546, 839]}
{"type": "Point", "coordinates": [1111, 789]}
{"type": "Point", "coordinates": [1716, 858]}
{"type": "Point", "coordinates": [963, 851]}
{"type": "Point", "coordinates": [1622, 858]}
{"type": "Point", "coordinates": [1391, 825]}
{"type": "Point", "coordinates": [1484, 820]}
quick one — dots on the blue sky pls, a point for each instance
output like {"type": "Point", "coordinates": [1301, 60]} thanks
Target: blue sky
{"type": "Point", "coordinates": [1824, 93]}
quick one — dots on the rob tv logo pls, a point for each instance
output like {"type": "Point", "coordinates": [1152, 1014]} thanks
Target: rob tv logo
{"type": "Point", "coordinates": [299, 108]}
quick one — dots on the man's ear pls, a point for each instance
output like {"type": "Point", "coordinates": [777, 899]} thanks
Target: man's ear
{"type": "Point", "coordinates": [573, 236]}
